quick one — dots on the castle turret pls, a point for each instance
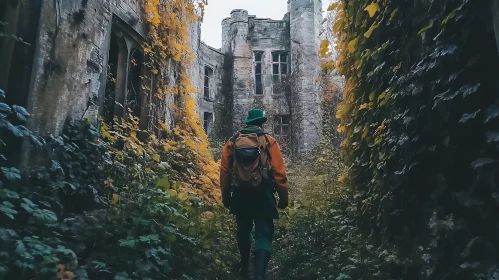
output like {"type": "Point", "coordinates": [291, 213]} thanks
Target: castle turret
{"type": "Point", "coordinates": [226, 23]}
{"type": "Point", "coordinates": [305, 18]}
{"type": "Point", "coordinates": [243, 64]}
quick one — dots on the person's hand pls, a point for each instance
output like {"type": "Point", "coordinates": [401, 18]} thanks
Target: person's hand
{"type": "Point", "coordinates": [282, 204]}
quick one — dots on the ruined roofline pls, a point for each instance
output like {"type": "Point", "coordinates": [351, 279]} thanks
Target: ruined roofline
{"type": "Point", "coordinates": [219, 51]}
{"type": "Point", "coordinates": [238, 11]}
{"type": "Point", "coordinates": [253, 17]}
{"type": "Point", "coordinates": [268, 19]}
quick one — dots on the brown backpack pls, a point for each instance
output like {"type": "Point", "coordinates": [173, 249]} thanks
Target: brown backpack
{"type": "Point", "coordinates": [251, 161]}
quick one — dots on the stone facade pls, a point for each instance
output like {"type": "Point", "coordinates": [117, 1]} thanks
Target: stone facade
{"type": "Point", "coordinates": [274, 66]}
{"type": "Point", "coordinates": [78, 46]}
{"type": "Point", "coordinates": [71, 62]}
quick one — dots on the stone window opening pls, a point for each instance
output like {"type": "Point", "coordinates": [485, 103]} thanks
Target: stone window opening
{"type": "Point", "coordinates": [208, 122]}
{"type": "Point", "coordinates": [123, 91]}
{"type": "Point", "coordinates": [282, 131]}
{"type": "Point", "coordinates": [279, 70]}
{"type": "Point", "coordinates": [220, 98]}
{"type": "Point", "coordinates": [116, 75]}
{"type": "Point", "coordinates": [133, 100]}
{"type": "Point", "coordinates": [258, 73]}
{"type": "Point", "coordinates": [208, 77]}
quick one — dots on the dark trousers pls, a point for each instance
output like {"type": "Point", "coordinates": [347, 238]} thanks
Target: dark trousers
{"type": "Point", "coordinates": [264, 231]}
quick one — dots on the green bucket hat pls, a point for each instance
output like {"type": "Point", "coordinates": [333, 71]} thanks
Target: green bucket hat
{"type": "Point", "coordinates": [255, 116]}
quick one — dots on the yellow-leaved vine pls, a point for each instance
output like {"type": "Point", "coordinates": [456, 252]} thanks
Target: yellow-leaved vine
{"type": "Point", "coordinates": [170, 96]}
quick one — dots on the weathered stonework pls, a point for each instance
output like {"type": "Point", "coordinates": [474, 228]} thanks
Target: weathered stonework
{"type": "Point", "coordinates": [296, 95]}
{"type": "Point", "coordinates": [76, 40]}
{"type": "Point", "coordinates": [70, 65]}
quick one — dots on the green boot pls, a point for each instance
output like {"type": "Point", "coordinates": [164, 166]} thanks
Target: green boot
{"type": "Point", "coordinates": [262, 258]}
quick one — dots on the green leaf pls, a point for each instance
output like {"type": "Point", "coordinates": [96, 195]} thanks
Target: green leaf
{"type": "Point", "coordinates": [122, 276]}
{"type": "Point", "coordinates": [426, 28]}
{"type": "Point", "coordinates": [492, 136]}
{"type": "Point", "coordinates": [4, 108]}
{"type": "Point", "coordinates": [148, 238]}
{"type": "Point", "coordinates": [393, 14]}
{"type": "Point", "coordinates": [4, 193]}
{"type": "Point", "coordinates": [45, 216]}
{"type": "Point", "coordinates": [127, 243]}
{"type": "Point", "coordinates": [172, 193]}
{"type": "Point", "coordinates": [171, 238]}
{"type": "Point", "coordinates": [482, 162]}
{"type": "Point", "coordinates": [36, 141]}
{"type": "Point", "coordinates": [450, 16]}
{"type": "Point", "coordinates": [7, 208]}
{"type": "Point", "coordinates": [183, 196]}
{"type": "Point", "coordinates": [65, 251]}
{"type": "Point", "coordinates": [467, 117]}
{"type": "Point", "coordinates": [163, 183]}
{"type": "Point", "coordinates": [491, 113]}
{"type": "Point", "coordinates": [28, 205]}
{"type": "Point", "coordinates": [21, 110]}
{"type": "Point", "coordinates": [11, 173]}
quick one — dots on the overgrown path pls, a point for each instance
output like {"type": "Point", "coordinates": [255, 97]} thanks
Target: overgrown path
{"type": "Point", "coordinates": [315, 239]}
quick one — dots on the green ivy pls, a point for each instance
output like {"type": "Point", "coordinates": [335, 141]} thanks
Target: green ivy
{"type": "Point", "coordinates": [420, 121]}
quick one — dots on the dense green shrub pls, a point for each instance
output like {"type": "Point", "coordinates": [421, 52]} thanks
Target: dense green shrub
{"type": "Point", "coordinates": [77, 217]}
{"type": "Point", "coordinates": [318, 238]}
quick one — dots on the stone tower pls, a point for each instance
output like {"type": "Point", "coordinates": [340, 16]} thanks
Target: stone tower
{"type": "Point", "coordinates": [274, 67]}
{"type": "Point", "coordinates": [305, 18]}
{"type": "Point", "coordinates": [235, 41]}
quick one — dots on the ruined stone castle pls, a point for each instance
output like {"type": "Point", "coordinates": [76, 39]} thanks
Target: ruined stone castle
{"type": "Point", "coordinates": [70, 49]}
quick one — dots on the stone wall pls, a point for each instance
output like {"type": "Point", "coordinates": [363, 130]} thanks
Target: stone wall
{"type": "Point", "coordinates": [70, 68]}
{"type": "Point", "coordinates": [267, 36]}
{"type": "Point", "coordinates": [243, 35]}
{"type": "Point", "coordinates": [242, 64]}
{"type": "Point", "coordinates": [297, 34]}
{"type": "Point", "coordinates": [69, 73]}
{"type": "Point", "coordinates": [214, 60]}
{"type": "Point", "coordinates": [305, 17]}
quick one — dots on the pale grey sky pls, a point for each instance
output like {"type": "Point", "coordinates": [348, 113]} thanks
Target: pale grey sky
{"type": "Point", "coordinates": [217, 10]}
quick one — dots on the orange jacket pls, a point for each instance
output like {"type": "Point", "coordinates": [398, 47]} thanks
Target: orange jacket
{"type": "Point", "coordinates": [276, 163]}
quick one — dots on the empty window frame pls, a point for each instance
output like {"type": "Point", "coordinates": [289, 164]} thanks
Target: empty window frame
{"type": "Point", "coordinates": [282, 132]}
{"type": "Point", "coordinates": [208, 122]}
{"type": "Point", "coordinates": [282, 126]}
{"type": "Point", "coordinates": [115, 77]}
{"type": "Point", "coordinates": [124, 91]}
{"type": "Point", "coordinates": [133, 100]}
{"type": "Point", "coordinates": [279, 69]}
{"type": "Point", "coordinates": [258, 73]}
{"type": "Point", "coordinates": [208, 75]}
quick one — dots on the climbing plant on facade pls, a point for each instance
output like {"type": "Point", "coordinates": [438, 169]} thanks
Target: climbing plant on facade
{"type": "Point", "coordinates": [419, 118]}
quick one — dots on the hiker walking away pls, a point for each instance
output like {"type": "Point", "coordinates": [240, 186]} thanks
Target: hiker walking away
{"type": "Point", "coordinates": [252, 170]}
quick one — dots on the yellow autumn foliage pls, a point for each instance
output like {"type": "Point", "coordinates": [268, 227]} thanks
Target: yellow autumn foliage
{"type": "Point", "coordinates": [168, 49]}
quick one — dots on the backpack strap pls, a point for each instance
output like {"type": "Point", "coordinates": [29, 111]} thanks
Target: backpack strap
{"type": "Point", "coordinates": [267, 146]}
{"type": "Point", "coordinates": [233, 140]}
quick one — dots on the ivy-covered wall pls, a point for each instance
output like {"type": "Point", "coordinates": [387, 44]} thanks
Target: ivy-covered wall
{"type": "Point", "coordinates": [420, 118]}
